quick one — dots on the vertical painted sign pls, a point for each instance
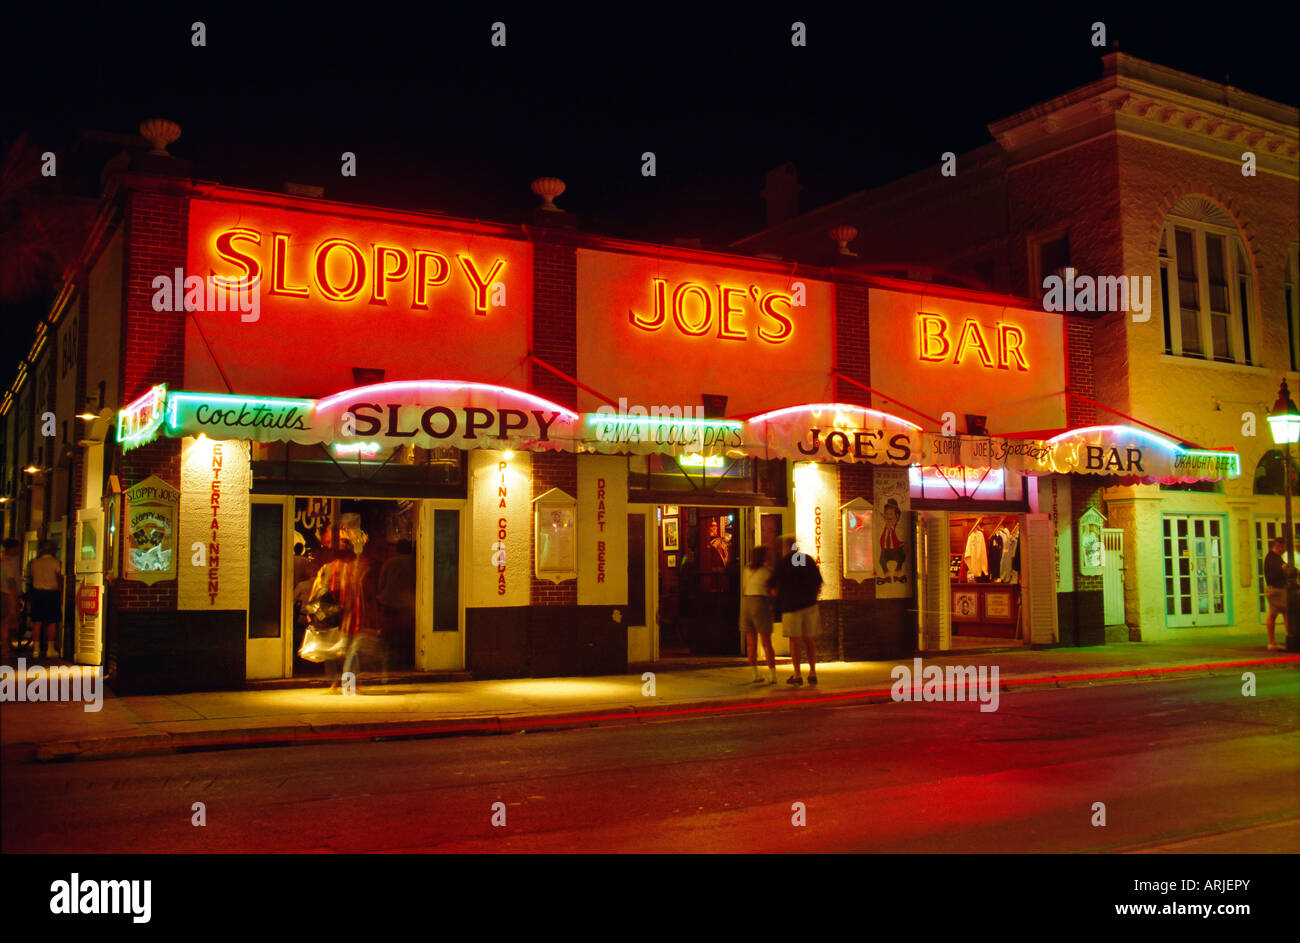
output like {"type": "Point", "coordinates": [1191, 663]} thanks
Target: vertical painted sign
{"type": "Point", "coordinates": [892, 522]}
{"type": "Point", "coordinates": [150, 544]}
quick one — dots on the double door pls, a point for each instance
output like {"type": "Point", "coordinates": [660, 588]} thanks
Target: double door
{"type": "Point", "coordinates": [1195, 591]}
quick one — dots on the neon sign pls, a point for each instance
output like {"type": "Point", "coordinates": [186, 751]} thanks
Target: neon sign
{"type": "Point", "coordinates": [696, 310]}
{"type": "Point", "coordinates": [340, 270]}
{"type": "Point", "coordinates": [239, 417]}
{"type": "Point", "coordinates": [696, 460]}
{"type": "Point", "coordinates": [935, 345]}
{"type": "Point", "coordinates": [139, 421]}
{"type": "Point", "coordinates": [366, 449]}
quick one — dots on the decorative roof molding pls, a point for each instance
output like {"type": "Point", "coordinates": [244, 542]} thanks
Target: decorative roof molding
{"type": "Point", "coordinates": [1161, 103]}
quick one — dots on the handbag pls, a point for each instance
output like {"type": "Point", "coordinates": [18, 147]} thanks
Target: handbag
{"type": "Point", "coordinates": [323, 644]}
{"type": "Point", "coordinates": [324, 612]}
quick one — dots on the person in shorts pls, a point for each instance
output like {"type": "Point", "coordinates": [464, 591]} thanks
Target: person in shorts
{"type": "Point", "coordinates": [47, 599]}
{"type": "Point", "coordinates": [756, 612]}
{"type": "Point", "coordinates": [798, 582]}
{"type": "Point", "coordinates": [1275, 590]}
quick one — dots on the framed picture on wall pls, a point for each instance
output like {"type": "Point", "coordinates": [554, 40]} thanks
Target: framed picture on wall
{"type": "Point", "coordinates": [692, 517]}
{"type": "Point", "coordinates": [671, 541]}
{"type": "Point", "coordinates": [672, 559]}
{"type": "Point", "coordinates": [965, 605]}
{"type": "Point", "coordinates": [670, 510]}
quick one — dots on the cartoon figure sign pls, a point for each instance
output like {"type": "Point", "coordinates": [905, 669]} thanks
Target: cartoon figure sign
{"type": "Point", "coordinates": [892, 523]}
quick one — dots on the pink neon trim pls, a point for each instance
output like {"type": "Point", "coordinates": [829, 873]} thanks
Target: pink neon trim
{"type": "Point", "coordinates": [1168, 443]}
{"type": "Point", "coordinates": [442, 384]}
{"type": "Point", "coordinates": [838, 407]}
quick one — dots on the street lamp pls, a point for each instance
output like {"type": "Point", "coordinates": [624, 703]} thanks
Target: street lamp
{"type": "Point", "coordinates": [1285, 423]}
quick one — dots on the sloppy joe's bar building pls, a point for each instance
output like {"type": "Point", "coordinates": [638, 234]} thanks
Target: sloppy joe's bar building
{"type": "Point", "coordinates": [552, 451]}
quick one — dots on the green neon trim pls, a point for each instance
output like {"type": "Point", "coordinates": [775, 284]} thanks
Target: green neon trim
{"type": "Point", "coordinates": [227, 400]}
{"type": "Point", "coordinates": [149, 431]}
{"type": "Point", "coordinates": [1236, 459]}
{"type": "Point", "coordinates": [664, 420]}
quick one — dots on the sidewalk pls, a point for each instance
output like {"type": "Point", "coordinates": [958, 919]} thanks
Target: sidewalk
{"type": "Point", "coordinates": [129, 726]}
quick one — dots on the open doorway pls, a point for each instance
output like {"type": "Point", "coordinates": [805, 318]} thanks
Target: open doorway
{"type": "Point", "coordinates": [699, 580]}
{"type": "Point", "coordinates": [383, 538]}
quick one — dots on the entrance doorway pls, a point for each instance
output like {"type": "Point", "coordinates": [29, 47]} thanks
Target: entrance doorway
{"type": "Point", "coordinates": [381, 581]}
{"type": "Point", "coordinates": [699, 580]}
{"type": "Point", "coordinates": [984, 570]}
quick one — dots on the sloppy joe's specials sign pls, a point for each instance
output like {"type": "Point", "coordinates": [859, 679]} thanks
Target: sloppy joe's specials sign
{"type": "Point", "coordinates": [384, 292]}
{"type": "Point", "coordinates": [149, 549]}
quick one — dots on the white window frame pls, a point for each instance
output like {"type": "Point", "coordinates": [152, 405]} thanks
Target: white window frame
{"type": "Point", "coordinates": [1232, 247]}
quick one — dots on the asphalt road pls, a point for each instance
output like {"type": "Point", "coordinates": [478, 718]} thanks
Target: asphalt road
{"type": "Point", "coordinates": [1182, 765]}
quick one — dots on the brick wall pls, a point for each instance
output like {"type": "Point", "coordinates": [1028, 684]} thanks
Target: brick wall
{"type": "Point", "coordinates": [554, 335]}
{"type": "Point", "coordinates": [1079, 372]}
{"type": "Point", "coordinates": [153, 349]}
{"type": "Point", "coordinates": [852, 343]}
{"type": "Point", "coordinates": [1084, 494]}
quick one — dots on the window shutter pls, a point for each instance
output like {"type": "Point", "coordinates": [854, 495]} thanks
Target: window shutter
{"type": "Point", "coordinates": [1037, 558]}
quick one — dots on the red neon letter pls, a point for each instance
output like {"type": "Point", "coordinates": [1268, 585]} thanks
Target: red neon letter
{"type": "Point", "coordinates": [1010, 341]}
{"type": "Point", "coordinates": [933, 327]}
{"type": "Point", "coordinates": [679, 300]}
{"type": "Point", "coordinates": [279, 271]}
{"type": "Point", "coordinates": [725, 311]}
{"type": "Point", "coordinates": [423, 280]}
{"type": "Point", "coordinates": [659, 288]}
{"type": "Point", "coordinates": [972, 336]}
{"type": "Point", "coordinates": [787, 326]}
{"type": "Point", "coordinates": [480, 284]}
{"type": "Point", "coordinates": [379, 290]}
{"type": "Point", "coordinates": [357, 279]}
{"type": "Point", "coordinates": [226, 249]}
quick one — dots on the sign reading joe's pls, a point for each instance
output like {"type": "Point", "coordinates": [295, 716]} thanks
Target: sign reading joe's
{"type": "Point", "coordinates": [150, 544]}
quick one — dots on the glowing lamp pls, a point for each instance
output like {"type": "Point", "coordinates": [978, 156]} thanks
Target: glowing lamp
{"type": "Point", "coordinates": [31, 470]}
{"type": "Point", "coordinates": [1285, 418]}
{"type": "Point", "coordinates": [89, 417]}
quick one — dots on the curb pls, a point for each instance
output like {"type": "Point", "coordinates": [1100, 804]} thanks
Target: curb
{"type": "Point", "coordinates": [295, 734]}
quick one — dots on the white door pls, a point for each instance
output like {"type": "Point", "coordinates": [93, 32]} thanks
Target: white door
{"type": "Point", "coordinates": [268, 628]}
{"type": "Point", "coordinates": [440, 586]}
{"type": "Point", "coordinates": [1038, 579]}
{"type": "Point", "coordinates": [935, 598]}
{"type": "Point", "coordinates": [1112, 577]}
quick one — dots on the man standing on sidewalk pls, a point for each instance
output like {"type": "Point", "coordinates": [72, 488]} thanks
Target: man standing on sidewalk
{"type": "Point", "coordinates": [1275, 574]}
{"type": "Point", "coordinates": [798, 582]}
{"type": "Point", "coordinates": [47, 599]}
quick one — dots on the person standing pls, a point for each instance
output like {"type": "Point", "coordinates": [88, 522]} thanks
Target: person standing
{"type": "Point", "coordinates": [342, 579]}
{"type": "Point", "coordinates": [798, 582]}
{"type": "Point", "coordinates": [11, 589]}
{"type": "Point", "coordinates": [1275, 574]}
{"type": "Point", "coordinates": [46, 576]}
{"type": "Point", "coordinates": [397, 599]}
{"type": "Point", "coordinates": [756, 612]}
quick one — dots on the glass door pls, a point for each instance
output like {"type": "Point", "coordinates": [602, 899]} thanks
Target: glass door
{"type": "Point", "coordinates": [1194, 586]}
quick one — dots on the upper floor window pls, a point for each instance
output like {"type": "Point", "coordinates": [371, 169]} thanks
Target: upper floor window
{"type": "Point", "coordinates": [1048, 255]}
{"type": "Point", "coordinates": [1206, 285]}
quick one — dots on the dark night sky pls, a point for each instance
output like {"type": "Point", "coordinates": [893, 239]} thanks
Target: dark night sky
{"type": "Point", "coordinates": [440, 119]}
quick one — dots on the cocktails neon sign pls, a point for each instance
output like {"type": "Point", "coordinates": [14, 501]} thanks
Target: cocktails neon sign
{"type": "Point", "coordinates": [697, 310]}
{"type": "Point", "coordinates": [341, 270]}
{"type": "Point", "coordinates": [934, 334]}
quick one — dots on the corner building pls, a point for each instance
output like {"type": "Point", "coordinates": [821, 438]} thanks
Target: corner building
{"type": "Point", "coordinates": [1189, 188]}
{"type": "Point", "coordinates": [552, 450]}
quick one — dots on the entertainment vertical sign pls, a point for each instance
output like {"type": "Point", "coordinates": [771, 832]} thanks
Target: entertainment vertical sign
{"type": "Point", "coordinates": [215, 522]}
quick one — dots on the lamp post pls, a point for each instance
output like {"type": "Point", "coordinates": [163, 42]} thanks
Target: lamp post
{"type": "Point", "coordinates": [1285, 424]}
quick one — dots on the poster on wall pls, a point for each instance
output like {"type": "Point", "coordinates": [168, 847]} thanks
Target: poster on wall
{"type": "Point", "coordinates": [892, 519]}
{"type": "Point", "coordinates": [149, 548]}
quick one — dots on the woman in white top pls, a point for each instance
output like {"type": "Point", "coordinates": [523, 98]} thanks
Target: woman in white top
{"type": "Point", "coordinates": [756, 612]}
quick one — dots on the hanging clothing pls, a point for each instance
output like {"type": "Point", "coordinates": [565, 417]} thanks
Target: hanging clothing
{"type": "Point", "coordinates": [976, 556]}
{"type": "Point", "coordinates": [1011, 559]}
{"type": "Point", "coordinates": [995, 552]}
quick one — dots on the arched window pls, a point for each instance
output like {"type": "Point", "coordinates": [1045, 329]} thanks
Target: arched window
{"type": "Point", "coordinates": [1268, 474]}
{"type": "Point", "coordinates": [1206, 285]}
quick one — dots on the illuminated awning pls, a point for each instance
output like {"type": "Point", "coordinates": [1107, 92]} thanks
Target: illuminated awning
{"type": "Point", "coordinates": [468, 415]}
{"type": "Point", "coordinates": [1137, 456]}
